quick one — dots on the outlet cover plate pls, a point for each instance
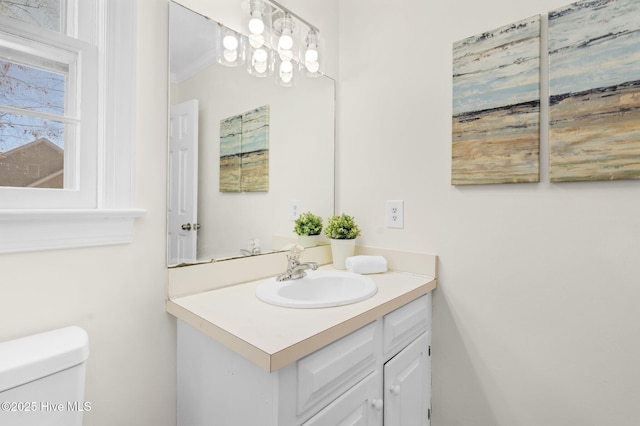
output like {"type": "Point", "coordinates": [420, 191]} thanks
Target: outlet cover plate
{"type": "Point", "coordinates": [295, 210]}
{"type": "Point", "coordinates": [395, 214]}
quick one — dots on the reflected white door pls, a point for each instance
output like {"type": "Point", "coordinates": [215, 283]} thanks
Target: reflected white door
{"type": "Point", "coordinates": [183, 183]}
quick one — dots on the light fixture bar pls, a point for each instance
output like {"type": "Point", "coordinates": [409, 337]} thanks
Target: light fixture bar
{"type": "Point", "coordinates": [275, 3]}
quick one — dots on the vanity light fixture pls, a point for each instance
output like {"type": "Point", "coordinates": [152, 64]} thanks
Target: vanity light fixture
{"type": "Point", "coordinates": [279, 42]}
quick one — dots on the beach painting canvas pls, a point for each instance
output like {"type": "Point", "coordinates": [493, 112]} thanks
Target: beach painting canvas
{"type": "Point", "coordinates": [230, 153]}
{"type": "Point", "coordinates": [244, 152]}
{"type": "Point", "coordinates": [255, 150]}
{"type": "Point", "coordinates": [594, 91]}
{"type": "Point", "coordinates": [496, 106]}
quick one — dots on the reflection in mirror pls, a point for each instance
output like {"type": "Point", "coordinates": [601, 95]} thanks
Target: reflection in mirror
{"type": "Point", "coordinates": [223, 225]}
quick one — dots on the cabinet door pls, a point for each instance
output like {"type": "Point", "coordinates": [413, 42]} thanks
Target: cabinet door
{"type": "Point", "coordinates": [407, 385]}
{"type": "Point", "coordinates": [361, 405]}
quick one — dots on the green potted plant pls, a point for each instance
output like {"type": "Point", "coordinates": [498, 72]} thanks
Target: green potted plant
{"type": "Point", "coordinates": [342, 231]}
{"type": "Point", "coordinates": [308, 227]}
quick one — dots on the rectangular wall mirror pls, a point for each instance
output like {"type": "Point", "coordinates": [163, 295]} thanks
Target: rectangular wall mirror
{"type": "Point", "coordinates": [205, 224]}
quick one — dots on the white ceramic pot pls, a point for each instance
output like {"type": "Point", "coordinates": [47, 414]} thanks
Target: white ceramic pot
{"type": "Point", "coordinates": [308, 240]}
{"type": "Point", "coordinates": [340, 250]}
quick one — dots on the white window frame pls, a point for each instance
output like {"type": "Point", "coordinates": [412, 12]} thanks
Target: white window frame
{"type": "Point", "coordinates": [81, 135]}
{"type": "Point", "coordinates": [108, 216]}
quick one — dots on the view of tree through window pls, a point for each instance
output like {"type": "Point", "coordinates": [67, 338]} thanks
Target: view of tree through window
{"type": "Point", "coordinates": [32, 104]}
{"type": "Point", "coordinates": [44, 13]}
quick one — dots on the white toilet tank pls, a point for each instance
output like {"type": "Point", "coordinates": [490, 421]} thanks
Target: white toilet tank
{"type": "Point", "coordinates": [42, 379]}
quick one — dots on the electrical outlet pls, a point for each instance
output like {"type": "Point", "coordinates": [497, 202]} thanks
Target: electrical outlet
{"type": "Point", "coordinates": [395, 214]}
{"type": "Point", "coordinates": [295, 210]}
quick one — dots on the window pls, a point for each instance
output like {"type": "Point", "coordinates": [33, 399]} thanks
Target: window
{"type": "Point", "coordinates": [60, 132]}
{"type": "Point", "coordinates": [40, 118]}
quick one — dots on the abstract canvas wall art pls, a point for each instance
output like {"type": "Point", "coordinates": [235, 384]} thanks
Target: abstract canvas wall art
{"type": "Point", "coordinates": [244, 152]}
{"type": "Point", "coordinates": [255, 150]}
{"type": "Point", "coordinates": [496, 106]}
{"type": "Point", "coordinates": [594, 91]}
{"type": "Point", "coordinates": [230, 153]}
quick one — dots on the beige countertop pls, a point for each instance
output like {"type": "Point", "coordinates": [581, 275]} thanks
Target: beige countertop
{"type": "Point", "coordinates": [273, 337]}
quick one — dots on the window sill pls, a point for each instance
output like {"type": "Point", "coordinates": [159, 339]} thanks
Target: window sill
{"type": "Point", "coordinates": [34, 230]}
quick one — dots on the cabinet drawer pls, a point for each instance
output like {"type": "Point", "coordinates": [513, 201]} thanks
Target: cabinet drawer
{"type": "Point", "coordinates": [326, 374]}
{"type": "Point", "coordinates": [361, 405]}
{"type": "Point", "coordinates": [405, 324]}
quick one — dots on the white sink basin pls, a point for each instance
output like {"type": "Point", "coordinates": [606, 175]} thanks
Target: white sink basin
{"type": "Point", "coordinates": [318, 289]}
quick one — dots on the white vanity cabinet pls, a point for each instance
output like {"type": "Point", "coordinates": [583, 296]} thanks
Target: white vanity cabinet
{"type": "Point", "coordinates": [399, 396]}
{"type": "Point", "coordinates": [378, 374]}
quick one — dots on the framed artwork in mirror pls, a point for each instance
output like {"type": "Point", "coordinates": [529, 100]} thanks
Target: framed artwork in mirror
{"type": "Point", "coordinates": [244, 152]}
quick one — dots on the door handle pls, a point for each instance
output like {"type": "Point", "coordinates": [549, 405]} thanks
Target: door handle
{"type": "Point", "coordinates": [196, 226]}
{"type": "Point", "coordinates": [186, 227]}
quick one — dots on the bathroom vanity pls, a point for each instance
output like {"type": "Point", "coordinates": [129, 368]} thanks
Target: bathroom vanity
{"type": "Point", "coordinates": [242, 361]}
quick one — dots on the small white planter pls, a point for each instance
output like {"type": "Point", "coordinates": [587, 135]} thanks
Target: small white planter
{"type": "Point", "coordinates": [308, 240]}
{"type": "Point", "coordinates": [340, 250]}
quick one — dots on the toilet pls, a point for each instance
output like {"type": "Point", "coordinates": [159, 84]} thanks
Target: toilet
{"type": "Point", "coordinates": [42, 379]}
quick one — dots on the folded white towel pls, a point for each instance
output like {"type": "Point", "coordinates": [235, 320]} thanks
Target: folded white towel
{"type": "Point", "coordinates": [366, 264]}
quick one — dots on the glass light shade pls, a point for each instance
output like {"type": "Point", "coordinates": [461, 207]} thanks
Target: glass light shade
{"type": "Point", "coordinates": [311, 61]}
{"type": "Point", "coordinates": [286, 67]}
{"type": "Point", "coordinates": [260, 55]}
{"type": "Point", "coordinates": [256, 26]}
{"type": "Point", "coordinates": [285, 74]}
{"type": "Point", "coordinates": [230, 42]}
{"type": "Point", "coordinates": [230, 47]}
{"type": "Point", "coordinates": [284, 28]}
{"type": "Point", "coordinates": [285, 42]}
{"type": "Point", "coordinates": [256, 23]}
{"type": "Point", "coordinates": [311, 55]}
{"type": "Point", "coordinates": [261, 62]}
{"type": "Point", "coordinates": [256, 13]}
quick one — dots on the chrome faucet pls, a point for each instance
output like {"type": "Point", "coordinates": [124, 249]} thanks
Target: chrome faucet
{"type": "Point", "coordinates": [295, 269]}
{"type": "Point", "coordinates": [253, 248]}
